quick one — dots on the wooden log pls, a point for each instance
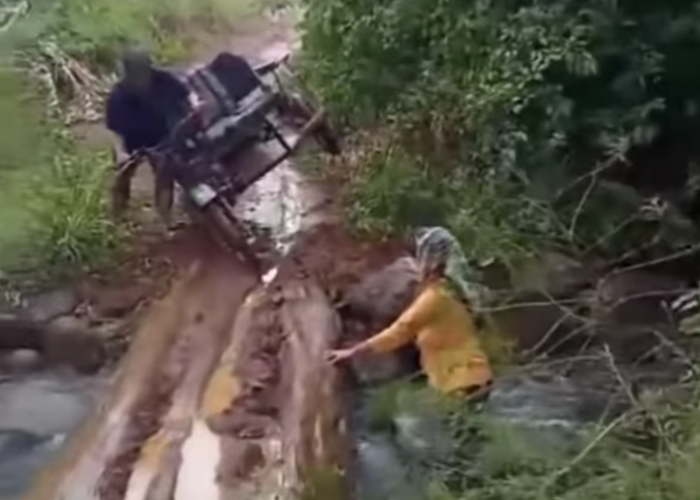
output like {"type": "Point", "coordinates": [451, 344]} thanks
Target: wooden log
{"type": "Point", "coordinates": [17, 333]}
{"type": "Point", "coordinates": [315, 440]}
{"type": "Point", "coordinates": [284, 435]}
{"type": "Point", "coordinates": [269, 423]}
{"type": "Point", "coordinates": [263, 419]}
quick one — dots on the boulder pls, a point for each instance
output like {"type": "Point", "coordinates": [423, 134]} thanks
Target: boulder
{"type": "Point", "coordinates": [373, 304]}
{"type": "Point", "coordinates": [373, 369]}
{"type": "Point", "coordinates": [553, 273]}
{"type": "Point", "coordinates": [117, 302]}
{"type": "Point", "coordinates": [69, 342]}
{"type": "Point", "coordinates": [636, 297]}
{"type": "Point", "coordinates": [21, 361]}
{"type": "Point", "coordinates": [383, 295]}
{"type": "Point", "coordinates": [18, 333]}
{"type": "Point", "coordinates": [630, 310]}
{"type": "Point", "coordinates": [47, 306]}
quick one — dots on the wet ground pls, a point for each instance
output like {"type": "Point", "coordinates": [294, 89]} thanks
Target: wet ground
{"type": "Point", "coordinates": [153, 411]}
{"type": "Point", "coordinates": [166, 434]}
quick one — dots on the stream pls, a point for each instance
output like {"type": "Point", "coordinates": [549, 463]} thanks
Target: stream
{"type": "Point", "coordinates": [38, 411]}
{"type": "Point", "coordinates": [547, 416]}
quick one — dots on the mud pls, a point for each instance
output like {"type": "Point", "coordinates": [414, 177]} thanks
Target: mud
{"type": "Point", "coordinates": [337, 259]}
{"type": "Point", "coordinates": [174, 348]}
{"type": "Point", "coordinates": [285, 420]}
{"type": "Point", "coordinates": [186, 421]}
{"type": "Point", "coordinates": [226, 393]}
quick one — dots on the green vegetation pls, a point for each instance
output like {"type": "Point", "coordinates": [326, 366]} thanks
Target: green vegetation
{"type": "Point", "coordinates": [524, 125]}
{"type": "Point", "coordinates": [501, 118]}
{"type": "Point", "coordinates": [57, 58]}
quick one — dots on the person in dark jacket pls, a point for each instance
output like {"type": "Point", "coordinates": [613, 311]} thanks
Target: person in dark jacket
{"type": "Point", "coordinates": [142, 108]}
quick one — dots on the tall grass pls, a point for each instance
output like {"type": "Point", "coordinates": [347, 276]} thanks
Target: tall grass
{"type": "Point", "coordinates": [70, 218]}
{"type": "Point", "coordinates": [23, 153]}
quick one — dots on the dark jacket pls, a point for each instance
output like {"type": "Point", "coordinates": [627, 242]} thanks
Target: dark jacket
{"type": "Point", "coordinates": [144, 121]}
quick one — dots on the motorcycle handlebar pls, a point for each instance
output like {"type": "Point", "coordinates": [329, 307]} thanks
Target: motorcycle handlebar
{"type": "Point", "coordinates": [142, 153]}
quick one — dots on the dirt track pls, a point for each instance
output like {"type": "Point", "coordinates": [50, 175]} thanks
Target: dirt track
{"type": "Point", "coordinates": [226, 393]}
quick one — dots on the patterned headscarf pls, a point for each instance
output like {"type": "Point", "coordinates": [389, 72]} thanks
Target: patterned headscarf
{"type": "Point", "coordinates": [437, 247]}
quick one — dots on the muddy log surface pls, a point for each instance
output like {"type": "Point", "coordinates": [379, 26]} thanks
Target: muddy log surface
{"type": "Point", "coordinates": [283, 426]}
{"type": "Point", "coordinates": [225, 393]}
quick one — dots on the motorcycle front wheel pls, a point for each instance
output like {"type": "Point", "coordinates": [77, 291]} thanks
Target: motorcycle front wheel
{"type": "Point", "coordinates": [225, 227]}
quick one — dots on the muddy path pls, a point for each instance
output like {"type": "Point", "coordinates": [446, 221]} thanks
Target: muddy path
{"type": "Point", "coordinates": [225, 391]}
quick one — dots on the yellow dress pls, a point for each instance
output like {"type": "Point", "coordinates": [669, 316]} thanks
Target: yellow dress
{"type": "Point", "coordinates": [444, 331]}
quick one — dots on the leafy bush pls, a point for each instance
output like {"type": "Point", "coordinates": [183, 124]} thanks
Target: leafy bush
{"type": "Point", "coordinates": [391, 192]}
{"type": "Point", "coordinates": [520, 99]}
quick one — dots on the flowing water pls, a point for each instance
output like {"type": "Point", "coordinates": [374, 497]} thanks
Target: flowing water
{"type": "Point", "coordinates": [545, 416]}
{"type": "Point", "coordinates": [38, 412]}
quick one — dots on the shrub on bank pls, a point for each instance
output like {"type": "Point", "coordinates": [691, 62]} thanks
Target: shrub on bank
{"type": "Point", "coordinates": [525, 106]}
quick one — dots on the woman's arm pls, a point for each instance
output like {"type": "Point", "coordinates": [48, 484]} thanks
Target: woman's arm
{"type": "Point", "coordinates": [412, 320]}
{"type": "Point", "coordinates": [401, 332]}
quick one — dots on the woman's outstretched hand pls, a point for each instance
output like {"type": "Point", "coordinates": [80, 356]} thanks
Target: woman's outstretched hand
{"type": "Point", "coordinates": [339, 355]}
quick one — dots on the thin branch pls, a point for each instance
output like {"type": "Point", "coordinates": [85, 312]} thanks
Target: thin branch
{"type": "Point", "coordinates": [581, 204]}
{"type": "Point", "coordinates": [567, 338]}
{"type": "Point", "coordinates": [612, 232]}
{"type": "Point", "coordinates": [584, 453]}
{"type": "Point", "coordinates": [593, 173]}
{"type": "Point", "coordinates": [520, 305]}
{"type": "Point", "coordinates": [650, 294]}
{"type": "Point", "coordinates": [618, 375]}
{"type": "Point", "coordinates": [546, 336]}
{"type": "Point", "coordinates": [667, 258]}
{"type": "Point", "coordinates": [628, 390]}
{"type": "Point", "coordinates": [667, 342]}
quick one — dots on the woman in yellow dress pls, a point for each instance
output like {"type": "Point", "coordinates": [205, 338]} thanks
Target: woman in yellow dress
{"type": "Point", "coordinates": [439, 320]}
